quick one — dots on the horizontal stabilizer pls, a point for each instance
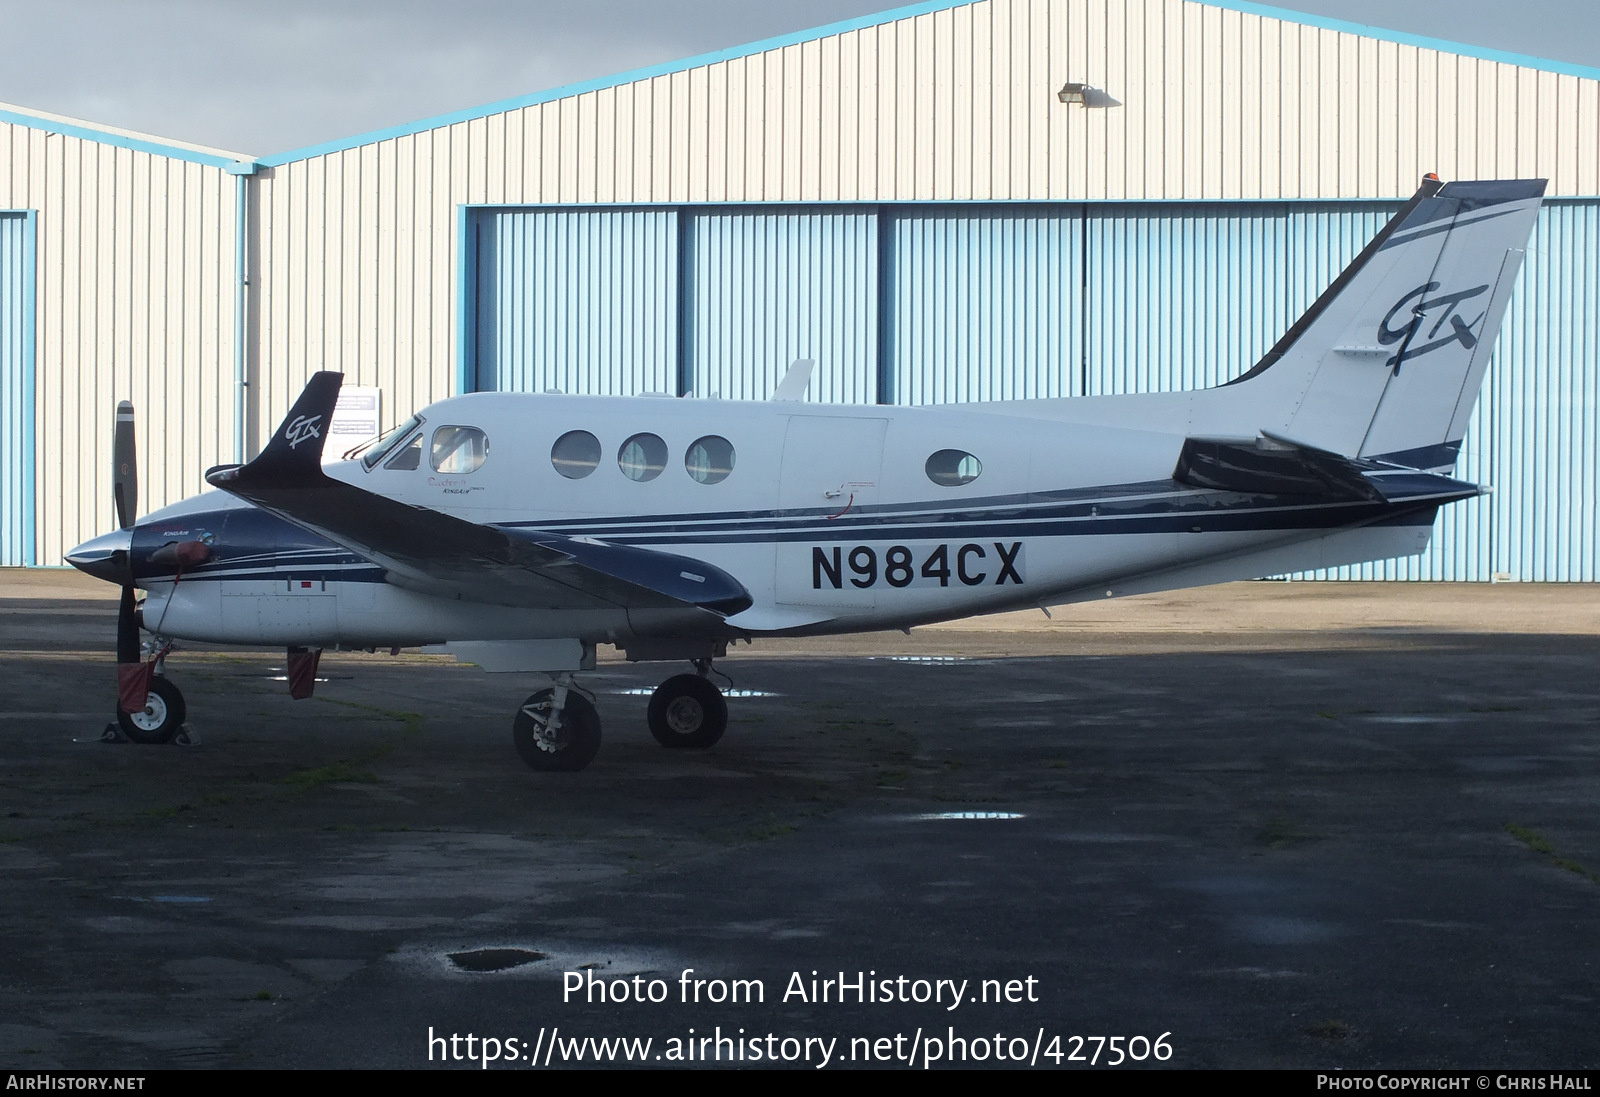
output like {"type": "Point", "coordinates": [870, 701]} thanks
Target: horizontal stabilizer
{"type": "Point", "coordinates": [1273, 465]}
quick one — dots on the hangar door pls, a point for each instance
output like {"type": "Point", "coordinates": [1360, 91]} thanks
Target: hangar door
{"type": "Point", "coordinates": [776, 284]}
{"type": "Point", "coordinates": [16, 390]}
{"type": "Point", "coordinates": [576, 300]}
{"type": "Point", "coordinates": [714, 302]}
{"type": "Point", "coordinates": [986, 304]}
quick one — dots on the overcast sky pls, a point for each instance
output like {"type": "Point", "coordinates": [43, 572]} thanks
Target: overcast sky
{"type": "Point", "coordinates": [262, 78]}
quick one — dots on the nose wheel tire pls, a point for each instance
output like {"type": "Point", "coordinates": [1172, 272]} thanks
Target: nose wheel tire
{"type": "Point", "coordinates": [163, 714]}
{"type": "Point", "coordinates": [567, 749]}
{"type": "Point", "coordinates": [687, 711]}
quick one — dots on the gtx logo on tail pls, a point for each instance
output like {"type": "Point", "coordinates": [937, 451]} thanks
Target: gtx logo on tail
{"type": "Point", "coordinates": [301, 428]}
{"type": "Point", "coordinates": [1447, 320]}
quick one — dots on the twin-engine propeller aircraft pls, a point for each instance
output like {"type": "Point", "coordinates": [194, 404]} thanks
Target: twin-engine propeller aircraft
{"type": "Point", "coordinates": [520, 531]}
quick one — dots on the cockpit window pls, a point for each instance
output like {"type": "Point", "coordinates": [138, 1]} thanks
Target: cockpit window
{"type": "Point", "coordinates": [458, 450]}
{"type": "Point", "coordinates": [408, 457]}
{"type": "Point", "coordinates": [950, 468]}
{"type": "Point", "coordinates": [380, 449]}
{"type": "Point", "coordinates": [710, 459]}
{"type": "Point", "coordinates": [576, 454]}
{"type": "Point", "coordinates": [642, 457]}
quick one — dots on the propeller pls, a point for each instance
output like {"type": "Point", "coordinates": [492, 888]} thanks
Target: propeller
{"type": "Point", "coordinates": [111, 557]}
{"type": "Point", "coordinates": [133, 681]}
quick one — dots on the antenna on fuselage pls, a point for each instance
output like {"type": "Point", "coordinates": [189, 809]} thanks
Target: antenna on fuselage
{"type": "Point", "coordinates": [796, 381]}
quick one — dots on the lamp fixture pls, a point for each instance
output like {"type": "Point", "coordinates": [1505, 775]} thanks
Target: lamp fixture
{"type": "Point", "coordinates": [1084, 95]}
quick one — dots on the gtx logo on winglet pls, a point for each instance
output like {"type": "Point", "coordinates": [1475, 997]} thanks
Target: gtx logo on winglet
{"type": "Point", "coordinates": [1444, 307]}
{"type": "Point", "coordinates": [300, 429]}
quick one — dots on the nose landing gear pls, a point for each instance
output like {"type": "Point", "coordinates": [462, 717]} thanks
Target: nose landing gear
{"type": "Point", "coordinates": [557, 730]}
{"type": "Point", "coordinates": [163, 714]}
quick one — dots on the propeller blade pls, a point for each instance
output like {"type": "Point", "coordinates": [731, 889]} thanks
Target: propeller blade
{"type": "Point", "coordinates": [125, 467]}
{"type": "Point", "coordinates": [133, 676]}
{"type": "Point", "coordinates": [127, 629]}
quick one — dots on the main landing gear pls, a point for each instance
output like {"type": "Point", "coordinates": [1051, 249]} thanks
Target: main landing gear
{"type": "Point", "coordinates": [688, 711]}
{"type": "Point", "coordinates": [558, 729]}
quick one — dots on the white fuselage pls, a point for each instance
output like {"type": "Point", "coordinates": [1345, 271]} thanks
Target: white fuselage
{"type": "Point", "coordinates": [829, 517]}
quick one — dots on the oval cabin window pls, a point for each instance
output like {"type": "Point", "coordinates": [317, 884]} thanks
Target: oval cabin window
{"type": "Point", "coordinates": [576, 454]}
{"type": "Point", "coordinates": [642, 457]}
{"type": "Point", "coordinates": [950, 468]}
{"type": "Point", "coordinates": [457, 451]}
{"type": "Point", "coordinates": [709, 460]}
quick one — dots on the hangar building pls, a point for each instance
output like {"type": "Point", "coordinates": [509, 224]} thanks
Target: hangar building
{"type": "Point", "coordinates": [901, 197]}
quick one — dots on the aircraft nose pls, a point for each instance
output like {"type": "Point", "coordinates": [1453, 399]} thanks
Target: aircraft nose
{"type": "Point", "coordinates": [107, 557]}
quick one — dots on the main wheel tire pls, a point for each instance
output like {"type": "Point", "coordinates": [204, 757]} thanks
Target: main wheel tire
{"type": "Point", "coordinates": [164, 713]}
{"type": "Point", "coordinates": [688, 711]}
{"type": "Point", "coordinates": [574, 745]}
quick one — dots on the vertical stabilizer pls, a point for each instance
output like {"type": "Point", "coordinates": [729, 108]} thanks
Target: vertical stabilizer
{"type": "Point", "coordinates": [1387, 363]}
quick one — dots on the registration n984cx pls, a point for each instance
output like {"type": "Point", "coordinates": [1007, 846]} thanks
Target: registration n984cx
{"type": "Point", "coordinates": [917, 564]}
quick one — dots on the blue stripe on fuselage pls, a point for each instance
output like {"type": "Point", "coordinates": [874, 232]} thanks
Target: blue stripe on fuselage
{"type": "Point", "coordinates": [250, 544]}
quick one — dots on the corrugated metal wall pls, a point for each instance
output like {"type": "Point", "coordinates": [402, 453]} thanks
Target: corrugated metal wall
{"type": "Point", "coordinates": [358, 254]}
{"type": "Point", "coordinates": [358, 239]}
{"type": "Point", "coordinates": [986, 305]}
{"type": "Point", "coordinates": [17, 533]}
{"type": "Point", "coordinates": [1186, 296]}
{"type": "Point", "coordinates": [577, 301]}
{"type": "Point", "coordinates": [135, 300]}
{"type": "Point", "coordinates": [771, 286]}
{"type": "Point", "coordinates": [1546, 420]}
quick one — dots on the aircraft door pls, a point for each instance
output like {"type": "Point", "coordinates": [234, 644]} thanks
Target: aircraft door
{"type": "Point", "coordinates": [832, 466]}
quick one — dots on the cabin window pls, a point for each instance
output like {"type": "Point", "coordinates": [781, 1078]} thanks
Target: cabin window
{"type": "Point", "coordinates": [407, 459]}
{"type": "Point", "coordinates": [380, 449]}
{"type": "Point", "coordinates": [458, 450]}
{"type": "Point", "coordinates": [642, 457]}
{"type": "Point", "coordinates": [709, 460]}
{"type": "Point", "coordinates": [576, 454]}
{"type": "Point", "coordinates": [950, 468]}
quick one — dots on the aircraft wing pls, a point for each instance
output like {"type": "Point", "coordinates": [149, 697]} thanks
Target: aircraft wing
{"type": "Point", "coordinates": [436, 553]}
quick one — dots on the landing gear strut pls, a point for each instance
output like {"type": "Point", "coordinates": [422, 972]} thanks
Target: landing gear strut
{"type": "Point", "coordinates": [557, 730]}
{"type": "Point", "coordinates": [688, 711]}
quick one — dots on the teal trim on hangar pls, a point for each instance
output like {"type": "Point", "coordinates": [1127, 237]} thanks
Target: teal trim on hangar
{"type": "Point", "coordinates": [17, 472]}
{"type": "Point", "coordinates": [939, 303]}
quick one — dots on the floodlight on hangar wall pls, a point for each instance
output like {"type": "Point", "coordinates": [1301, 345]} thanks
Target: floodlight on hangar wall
{"type": "Point", "coordinates": [1084, 95]}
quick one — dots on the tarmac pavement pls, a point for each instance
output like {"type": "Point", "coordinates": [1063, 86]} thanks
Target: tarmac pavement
{"type": "Point", "coordinates": [1267, 825]}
